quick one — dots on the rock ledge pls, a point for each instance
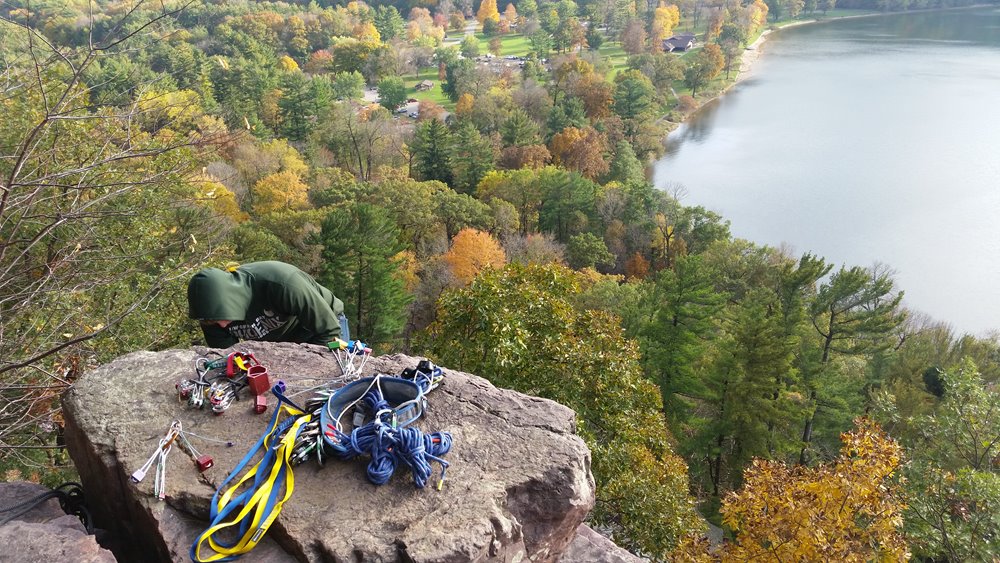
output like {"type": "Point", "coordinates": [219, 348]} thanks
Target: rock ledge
{"type": "Point", "coordinates": [518, 486]}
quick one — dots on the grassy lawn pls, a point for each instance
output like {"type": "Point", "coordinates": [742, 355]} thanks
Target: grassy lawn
{"type": "Point", "coordinates": [612, 51]}
{"type": "Point", "coordinates": [832, 14]}
{"type": "Point", "coordinates": [434, 94]}
{"type": "Point", "coordinates": [511, 44]}
{"type": "Point", "coordinates": [838, 13]}
{"type": "Point", "coordinates": [518, 45]}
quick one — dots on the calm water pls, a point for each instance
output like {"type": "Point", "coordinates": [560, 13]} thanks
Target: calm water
{"type": "Point", "coordinates": [863, 141]}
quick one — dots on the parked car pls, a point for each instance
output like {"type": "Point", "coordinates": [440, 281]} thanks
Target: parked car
{"type": "Point", "coordinates": [412, 114]}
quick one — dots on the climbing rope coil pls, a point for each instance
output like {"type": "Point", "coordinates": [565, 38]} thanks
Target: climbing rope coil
{"type": "Point", "coordinates": [71, 500]}
{"type": "Point", "coordinates": [381, 408]}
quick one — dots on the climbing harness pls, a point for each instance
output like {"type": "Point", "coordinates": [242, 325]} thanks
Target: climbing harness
{"type": "Point", "coordinates": [382, 407]}
{"type": "Point", "coordinates": [174, 434]}
{"type": "Point", "coordinates": [219, 381]}
{"type": "Point", "coordinates": [388, 406]}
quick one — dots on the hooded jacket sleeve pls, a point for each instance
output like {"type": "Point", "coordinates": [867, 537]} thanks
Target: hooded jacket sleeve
{"type": "Point", "coordinates": [302, 297]}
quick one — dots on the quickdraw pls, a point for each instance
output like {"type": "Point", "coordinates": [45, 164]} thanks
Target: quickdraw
{"type": "Point", "coordinates": [174, 434]}
{"type": "Point", "coordinates": [383, 408]}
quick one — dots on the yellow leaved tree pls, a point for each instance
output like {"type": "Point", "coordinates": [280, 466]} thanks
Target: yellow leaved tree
{"type": "Point", "coordinates": [288, 64]}
{"type": "Point", "coordinates": [214, 194]}
{"type": "Point", "coordinates": [465, 105]}
{"type": "Point", "coordinates": [281, 190]}
{"type": "Point", "coordinates": [848, 510]}
{"type": "Point", "coordinates": [366, 32]}
{"type": "Point", "coordinates": [665, 19]}
{"type": "Point", "coordinates": [471, 251]}
{"type": "Point", "coordinates": [488, 11]}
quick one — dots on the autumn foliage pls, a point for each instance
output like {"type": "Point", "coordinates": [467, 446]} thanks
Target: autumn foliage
{"type": "Point", "coordinates": [488, 11]}
{"type": "Point", "coordinates": [528, 156]}
{"type": "Point", "coordinates": [581, 150]}
{"type": "Point", "coordinates": [282, 190]}
{"type": "Point", "coordinates": [848, 510]}
{"type": "Point", "coordinates": [471, 251]}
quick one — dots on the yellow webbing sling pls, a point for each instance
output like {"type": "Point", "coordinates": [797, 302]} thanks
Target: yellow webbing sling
{"type": "Point", "coordinates": [263, 505]}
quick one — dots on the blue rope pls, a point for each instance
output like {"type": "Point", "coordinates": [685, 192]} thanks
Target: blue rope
{"type": "Point", "coordinates": [383, 463]}
{"type": "Point", "coordinates": [388, 443]}
{"type": "Point", "coordinates": [374, 402]}
{"type": "Point", "coordinates": [389, 446]}
{"type": "Point", "coordinates": [415, 449]}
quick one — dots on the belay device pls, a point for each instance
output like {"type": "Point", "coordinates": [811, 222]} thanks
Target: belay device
{"type": "Point", "coordinates": [381, 408]}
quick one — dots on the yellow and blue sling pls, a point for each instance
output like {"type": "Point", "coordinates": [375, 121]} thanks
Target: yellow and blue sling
{"type": "Point", "coordinates": [254, 510]}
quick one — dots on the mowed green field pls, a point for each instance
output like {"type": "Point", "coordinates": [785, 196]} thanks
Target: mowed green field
{"type": "Point", "coordinates": [435, 94]}
{"type": "Point", "coordinates": [615, 55]}
{"type": "Point", "coordinates": [510, 44]}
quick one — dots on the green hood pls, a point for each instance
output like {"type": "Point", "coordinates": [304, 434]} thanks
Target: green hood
{"type": "Point", "coordinates": [219, 296]}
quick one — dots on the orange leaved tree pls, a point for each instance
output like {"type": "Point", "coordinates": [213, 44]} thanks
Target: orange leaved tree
{"type": "Point", "coordinates": [471, 251]}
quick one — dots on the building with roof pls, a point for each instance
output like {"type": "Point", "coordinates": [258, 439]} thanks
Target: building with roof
{"type": "Point", "coordinates": [680, 42]}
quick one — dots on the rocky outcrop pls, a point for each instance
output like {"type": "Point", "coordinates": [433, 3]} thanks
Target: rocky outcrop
{"type": "Point", "coordinates": [591, 547]}
{"type": "Point", "coordinates": [45, 532]}
{"type": "Point", "coordinates": [518, 485]}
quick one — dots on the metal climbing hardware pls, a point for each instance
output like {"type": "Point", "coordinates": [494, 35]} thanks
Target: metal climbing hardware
{"type": "Point", "coordinates": [386, 405]}
{"type": "Point", "coordinates": [159, 458]}
{"type": "Point", "coordinates": [175, 434]}
{"type": "Point", "coordinates": [257, 379]}
{"type": "Point", "coordinates": [201, 461]}
{"type": "Point", "coordinates": [218, 382]}
{"type": "Point", "coordinates": [351, 357]}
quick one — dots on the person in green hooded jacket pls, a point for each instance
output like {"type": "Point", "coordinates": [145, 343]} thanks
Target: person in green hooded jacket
{"type": "Point", "coordinates": [271, 301]}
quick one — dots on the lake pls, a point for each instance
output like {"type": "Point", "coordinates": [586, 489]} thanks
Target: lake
{"type": "Point", "coordinates": [866, 140]}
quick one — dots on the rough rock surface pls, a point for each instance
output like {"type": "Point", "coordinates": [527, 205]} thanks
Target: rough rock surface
{"type": "Point", "coordinates": [518, 486]}
{"type": "Point", "coordinates": [45, 533]}
{"type": "Point", "coordinates": [591, 547]}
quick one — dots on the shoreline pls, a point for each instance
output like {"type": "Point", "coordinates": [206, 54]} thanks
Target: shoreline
{"type": "Point", "coordinates": [752, 52]}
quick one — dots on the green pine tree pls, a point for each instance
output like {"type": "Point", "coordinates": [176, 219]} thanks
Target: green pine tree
{"type": "Point", "coordinates": [685, 304]}
{"type": "Point", "coordinates": [625, 167]}
{"type": "Point", "coordinates": [431, 150]}
{"type": "Point", "coordinates": [360, 244]}
{"type": "Point", "coordinates": [471, 157]}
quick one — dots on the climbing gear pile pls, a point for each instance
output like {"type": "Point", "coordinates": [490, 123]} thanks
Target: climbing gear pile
{"type": "Point", "coordinates": [384, 407]}
{"type": "Point", "coordinates": [379, 411]}
{"type": "Point", "coordinates": [174, 434]}
{"type": "Point", "coordinates": [219, 381]}
{"type": "Point", "coordinates": [270, 482]}
{"type": "Point", "coordinates": [351, 356]}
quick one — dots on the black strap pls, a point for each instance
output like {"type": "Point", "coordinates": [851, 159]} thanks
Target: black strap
{"type": "Point", "coordinates": [71, 501]}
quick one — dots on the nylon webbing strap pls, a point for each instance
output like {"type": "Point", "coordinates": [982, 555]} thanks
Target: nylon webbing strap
{"type": "Point", "coordinates": [254, 509]}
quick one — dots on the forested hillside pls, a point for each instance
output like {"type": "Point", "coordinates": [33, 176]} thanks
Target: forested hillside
{"type": "Point", "coordinates": [470, 178]}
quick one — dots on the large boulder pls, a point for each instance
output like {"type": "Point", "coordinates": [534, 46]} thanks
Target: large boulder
{"type": "Point", "coordinates": [518, 485]}
{"type": "Point", "coordinates": [588, 546]}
